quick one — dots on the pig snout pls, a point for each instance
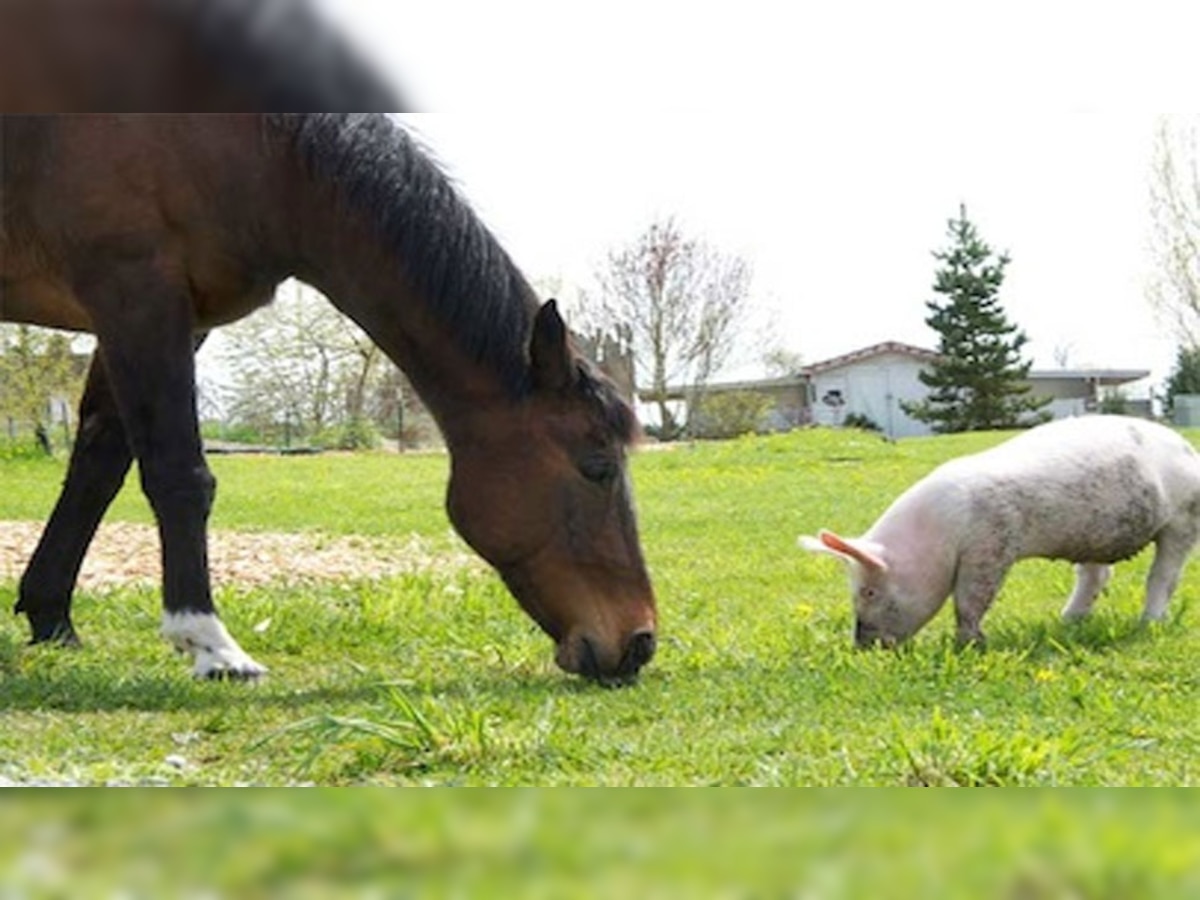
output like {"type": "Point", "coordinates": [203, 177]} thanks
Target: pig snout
{"type": "Point", "coordinates": [867, 636]}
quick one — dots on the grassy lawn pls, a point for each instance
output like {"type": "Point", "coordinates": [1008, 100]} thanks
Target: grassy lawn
{"type": "Point", "coordinates": [1041, 845]}
{"type": "Point", "coordinates": [438, 678]}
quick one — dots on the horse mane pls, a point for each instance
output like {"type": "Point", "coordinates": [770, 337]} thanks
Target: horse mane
{"type": "Point", "coordinates": [453, 262]}
{"type": "Point", "coordinates": [456, 265]}
{"type": "Point", "coordinates": [617, 414]}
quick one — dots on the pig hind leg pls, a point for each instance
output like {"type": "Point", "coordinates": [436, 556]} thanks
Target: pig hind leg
{"type": "Point", "coordinates": [1090, 579]}
{"type": "Point", "coordinates": [1171, 551]}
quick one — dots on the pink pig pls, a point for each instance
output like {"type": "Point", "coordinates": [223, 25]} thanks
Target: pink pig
{"type": "Point", "coordinates": [1092, 490]}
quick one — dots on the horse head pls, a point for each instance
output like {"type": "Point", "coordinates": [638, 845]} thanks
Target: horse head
{"type": "Point", "coordinates": [540, 489]}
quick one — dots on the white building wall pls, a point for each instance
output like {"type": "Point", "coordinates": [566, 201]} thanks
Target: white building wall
{"type": "Point", "coordinates": [1067, 407]}
{"type": "Point", "coordinates": [1187, 410]}
{"type": "Point", "coordinates": [874, 388]}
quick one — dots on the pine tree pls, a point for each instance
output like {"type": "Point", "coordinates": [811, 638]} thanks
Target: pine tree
{"type": "Point", "coordinates": [979, 380]}
{"type": "Point", "coordinates": [1185, 377]}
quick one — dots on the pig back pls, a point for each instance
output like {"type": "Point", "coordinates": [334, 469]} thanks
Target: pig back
{"type": "Point", "coordinates": [1094, 489]}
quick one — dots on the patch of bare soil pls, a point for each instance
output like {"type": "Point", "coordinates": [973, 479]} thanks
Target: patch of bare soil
{"type": "Point", "coordinates": [124, 554]}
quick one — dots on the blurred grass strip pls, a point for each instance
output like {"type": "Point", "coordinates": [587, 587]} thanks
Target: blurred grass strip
{"type": "Point", "coordinates": [565, 843]}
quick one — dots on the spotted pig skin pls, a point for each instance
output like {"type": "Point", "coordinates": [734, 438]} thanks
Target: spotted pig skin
{"type": "Point", "coordinates": [1093, 491]}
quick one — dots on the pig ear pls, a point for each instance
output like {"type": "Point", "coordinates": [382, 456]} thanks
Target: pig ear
{"type": "Point", "coordinates": [847, 550]}
{"type": "Point", "coordinates": [814, 545]}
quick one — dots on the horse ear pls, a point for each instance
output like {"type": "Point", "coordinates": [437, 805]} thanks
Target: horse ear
{"type": "Point", "coordinates": [551, 361]}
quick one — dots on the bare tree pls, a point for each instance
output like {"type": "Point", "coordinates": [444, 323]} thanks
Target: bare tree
{"type": "Point", "coordinates": [604, 342]}
{"type": "Point", "coordinates": [299, 363]}
{"type": "Point", "coordinates": [682, 302]}
{"type": "Point", "coordinates": [781, 362]}
{"type": "Point", "coordinates": [1174, 286]}
{"type": "Point", "coordinates": [393, 405]}
{"type": "Point", "coordinates": [1062, 354]}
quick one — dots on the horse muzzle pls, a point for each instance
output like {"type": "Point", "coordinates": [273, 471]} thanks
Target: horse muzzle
{"type": "Point", "coordinates": [587, 657]}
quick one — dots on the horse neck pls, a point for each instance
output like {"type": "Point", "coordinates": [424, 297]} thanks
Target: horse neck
{"type": "Point", "coordinates": [366, 282]}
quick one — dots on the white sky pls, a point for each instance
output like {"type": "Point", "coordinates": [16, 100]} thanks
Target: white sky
{"type": "Point", "coordinates": [828, 143]}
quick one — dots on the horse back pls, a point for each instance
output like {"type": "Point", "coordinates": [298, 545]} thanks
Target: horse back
{"type": "Point", "coordinates": [199, 198]}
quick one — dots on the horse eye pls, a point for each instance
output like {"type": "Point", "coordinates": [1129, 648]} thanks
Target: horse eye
{"type": "Point", "coordinates": [599, 468]}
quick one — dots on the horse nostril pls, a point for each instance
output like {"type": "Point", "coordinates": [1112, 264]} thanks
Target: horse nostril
{"type": "Point", "coordinates": [638, 651]}
{"type": "Point", "coordinates": [641, 649]}
{"type": "Point", "coordinates": [589, 666]}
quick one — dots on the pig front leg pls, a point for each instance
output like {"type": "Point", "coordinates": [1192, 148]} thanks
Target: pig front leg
{"type": "Point", "coordinates": [975, 587]}
{"type": "Point", "coordinates": [1090, 579]}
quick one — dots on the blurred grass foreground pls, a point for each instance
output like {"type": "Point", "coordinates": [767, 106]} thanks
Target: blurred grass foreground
{"type": "Point", "coordinates": [824, 843]}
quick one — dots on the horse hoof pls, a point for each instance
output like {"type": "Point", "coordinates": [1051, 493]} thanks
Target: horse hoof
{"type": "Point", "coordinates": [250, 676]}
{"type": "Point", "coordinates": [60, 633]}
{"type": "Point", "coordinates": [216, 654]}
{"type": "Point", "coordinates": [227, 667]}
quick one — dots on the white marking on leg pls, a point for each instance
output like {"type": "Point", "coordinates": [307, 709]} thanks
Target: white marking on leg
{"type": "Point", "coordinates": [203, 637]}
{"type": "Point", "coordinates": [1090, 579]}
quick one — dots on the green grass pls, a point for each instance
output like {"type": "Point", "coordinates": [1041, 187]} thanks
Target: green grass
{"type": "Point", "coordinates": [440, 679]}
{"type": "Point", "coordinates": [1040, 845]}
{"type": "Point", "coordinates": [371, 494]}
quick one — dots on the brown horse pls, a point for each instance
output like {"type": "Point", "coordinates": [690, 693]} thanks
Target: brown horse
{"type": "Point", "coordinates": [150, 230]}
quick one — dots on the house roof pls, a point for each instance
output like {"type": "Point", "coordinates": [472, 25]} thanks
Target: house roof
{"type": "Point", "coordinates": [881, 349]}
{"type": "Point", "coordinates": [1102, 377]}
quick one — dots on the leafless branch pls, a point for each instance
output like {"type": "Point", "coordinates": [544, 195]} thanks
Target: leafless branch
{"type": "Point", "coordinates": [682, 303]}
{"type": "Point", "coordinates": [1174, 287]}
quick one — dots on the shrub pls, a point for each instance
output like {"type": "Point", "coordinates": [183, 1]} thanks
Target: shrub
{"type": "Point", "coordinates": [862, 421]}
{"type": "Point", "coordinates": [357, 434]}
{"type": "Point", "coordinates": [28, 448]}
{"type": "Point", "coordinates": [1114, 403]}
{"type": "Point", "coordinates": [729, 414]}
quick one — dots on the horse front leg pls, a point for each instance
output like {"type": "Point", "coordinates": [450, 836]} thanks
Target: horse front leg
{"type": "Point", "coordinates": [145, 335]}
{"type": "Point", "coordinates": [100, 460]}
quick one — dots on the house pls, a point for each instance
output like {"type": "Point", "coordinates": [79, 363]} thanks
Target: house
{"type": "Point", "coordinates": [1074, 392]}
{"type": "Point", "coordinates": [871, 383]}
